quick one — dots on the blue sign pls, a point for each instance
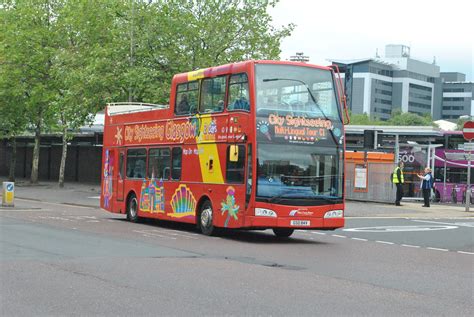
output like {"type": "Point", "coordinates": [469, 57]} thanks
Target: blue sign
{"type": "Point", "coordinates": [9, 187]}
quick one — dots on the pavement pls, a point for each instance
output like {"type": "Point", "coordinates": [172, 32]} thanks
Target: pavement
{"type": "Point", "coordinates": [87, 195]}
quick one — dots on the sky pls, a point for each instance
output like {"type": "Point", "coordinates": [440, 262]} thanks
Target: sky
{"type": "Point", "coordinates": [345, 29]}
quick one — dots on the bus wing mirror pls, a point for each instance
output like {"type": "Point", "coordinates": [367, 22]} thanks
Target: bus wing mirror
{"type": "Point", "coordinates": [234, 153]}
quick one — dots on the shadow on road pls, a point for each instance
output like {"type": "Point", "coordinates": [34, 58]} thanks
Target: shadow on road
{"type": "Point", "coordinates": [237, 235]}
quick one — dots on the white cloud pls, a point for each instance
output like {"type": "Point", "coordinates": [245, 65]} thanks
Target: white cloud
{"type": "Point", "coordinates": [345, 29]}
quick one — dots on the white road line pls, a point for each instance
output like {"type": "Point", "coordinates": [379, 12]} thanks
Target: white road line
{"type": "Point", "coordinates": [338, 236]}
{"type": "Point", "coordinates": [384, 242]}
{"type": "Point", "coordinates": [320, 233]}
{"type": "Point", "coordinates": [152, 235]}
{"type": "Point", "coordinates": [464, 252]}
{"type": "Point", "coordinates": [410, 246]}
{"type": "Point", "coordinates": [445, 223]}
{"type": "Point", "coordinates": [359, 239]}
{"type": "Point", "coordinates": [437, 249]}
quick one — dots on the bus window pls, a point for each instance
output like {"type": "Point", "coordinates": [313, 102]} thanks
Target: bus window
{"type": "Point", "coordinates": [186, 98]}
{"type": "Point", "coordinates": [159, 163]}
{"type": "Point", "coordinates": [235, 171]}
{"type": "Point", "coordinates": [238, 93]}
{"type": "Point", "coordinates": [213, 94]}
{"type": "Point", "coordinates": [176, 163]}
{"type": "Point", "coordinates": [136, 163]}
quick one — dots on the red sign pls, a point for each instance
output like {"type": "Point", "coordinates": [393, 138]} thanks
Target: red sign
{"type": "Point", "coordinates": [468, 130]}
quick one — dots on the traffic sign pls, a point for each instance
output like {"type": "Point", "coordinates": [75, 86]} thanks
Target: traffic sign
{"type": "Point", "coordinates": [8, 194]}
{"type": "Point", "coordinates": [468, 130]}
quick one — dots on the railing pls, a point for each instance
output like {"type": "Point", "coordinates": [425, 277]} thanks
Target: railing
{"type": "Point", "coordinates": [130, 107]}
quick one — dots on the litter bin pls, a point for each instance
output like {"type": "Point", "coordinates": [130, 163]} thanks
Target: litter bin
{"type": "Point", "coordinates": [8, 194]}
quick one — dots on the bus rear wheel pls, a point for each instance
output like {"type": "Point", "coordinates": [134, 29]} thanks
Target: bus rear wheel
{"type": "Point", "coordinates": [132, 208]}
{"type": "Point", "coordinates": [206, 219]}
{"type": "Point", "coordinates": [283, 233]}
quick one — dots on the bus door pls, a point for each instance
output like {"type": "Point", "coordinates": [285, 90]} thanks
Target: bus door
{"type": "Point", "coordinates": [121, 175]}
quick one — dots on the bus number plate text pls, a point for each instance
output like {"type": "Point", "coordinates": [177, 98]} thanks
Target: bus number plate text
{"type": "Point", "coordinates": [300, 223]}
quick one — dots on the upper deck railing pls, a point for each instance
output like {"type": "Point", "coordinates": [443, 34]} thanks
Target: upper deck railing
{"type": "Point", "coordinates": [131, 107]}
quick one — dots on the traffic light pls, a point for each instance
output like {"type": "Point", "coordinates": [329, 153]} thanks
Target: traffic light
{"type": "Point", "coordinates": [369, 138]}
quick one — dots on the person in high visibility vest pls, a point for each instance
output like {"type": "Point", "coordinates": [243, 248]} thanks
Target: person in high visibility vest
{"type": "Point", "coordinates": [397, 179]}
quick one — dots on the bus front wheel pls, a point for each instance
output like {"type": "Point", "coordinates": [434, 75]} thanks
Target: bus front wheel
{"type": "Point", "coordinates": [132, 208]}
{"type": "Point", "coordinates": [283, 233]}
{"type": "Point", "coordinates": [206, 219]}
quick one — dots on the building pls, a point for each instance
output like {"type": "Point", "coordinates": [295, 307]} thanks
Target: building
{"type": "Point", "coordinates": [458, 99]}
{"type": "Point", "coordinates": [378, 86]}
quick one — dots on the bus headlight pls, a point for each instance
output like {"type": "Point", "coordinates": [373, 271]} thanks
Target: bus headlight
{"type": "Point", "coordinates": [263, 212]}
{"type": "Point", "coordinates": [333, 214]}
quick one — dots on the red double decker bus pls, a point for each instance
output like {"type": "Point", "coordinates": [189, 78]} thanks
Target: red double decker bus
{"type": "Point", "coordinates": [251, 145]}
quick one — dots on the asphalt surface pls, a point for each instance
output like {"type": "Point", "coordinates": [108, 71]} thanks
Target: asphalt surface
{"type": "Point", "coordinates": [61, 255]}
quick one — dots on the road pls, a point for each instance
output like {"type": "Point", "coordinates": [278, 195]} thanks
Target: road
{"type": "Point", "coordinates": [61, 259]}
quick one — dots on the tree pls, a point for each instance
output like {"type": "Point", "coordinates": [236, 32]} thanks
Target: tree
{"type": "Point", "coordinates": [363, 119]}
{"type": "Point", "coordinates": [82, 64]}
{"type": "Point", "coordinates": [461, 121]}
{"type": "Point", "coordinates": [410, 119]}
{"type": "Point", "coordinates": [176, 36]}
{"type": "Point", "coordinates": [28, 48]}
{"type": "Point", "coordinates": [12, 107]}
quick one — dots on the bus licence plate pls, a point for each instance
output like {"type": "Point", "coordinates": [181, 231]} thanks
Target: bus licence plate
{"type": "Point", "coordinates": [300, 223]}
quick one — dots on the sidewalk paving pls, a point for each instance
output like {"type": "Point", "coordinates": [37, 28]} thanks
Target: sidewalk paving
{"type": "Point", "coordinates": [88, 195]}
{"type": "Point", "coordinates": [72, 193]}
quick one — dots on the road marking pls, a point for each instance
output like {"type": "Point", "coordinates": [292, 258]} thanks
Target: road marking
{"type": "Point", "coordinates": [410, 246]}
{"type": "Point", "coordinates": [320, 233]}
{"type": "Point", "coordinates": [164, 233]}
{"type": "Point", "coordinates": [400, 228]}
{"type": "Point", "coordinates": [94, 197]}
{"type": "Point", "coordinates": [338, 236]}
{"type": "Point", "coordinates": [359, 239]}
{"type": "Point", "coordinates": [59, 204]}
{"type": "Point", "coordinates": [148, 233]}
{"type": "Point", "coordinates": [384, 242]}
{"type": "Point", "coordinates": [464, 252]}
{"type": "Point", "coordinates": [437, 249]}
{"type": "Point", "coordinates": [460, 224]}
{"type": "Point", "coordinates": [151, 235]}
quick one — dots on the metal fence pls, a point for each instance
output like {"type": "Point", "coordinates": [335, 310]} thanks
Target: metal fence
{"type": "Point", "coordinates": [379, 185]}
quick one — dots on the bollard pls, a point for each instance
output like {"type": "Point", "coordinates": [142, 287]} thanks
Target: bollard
{"type": "Point", "coordinates": [8, 194]}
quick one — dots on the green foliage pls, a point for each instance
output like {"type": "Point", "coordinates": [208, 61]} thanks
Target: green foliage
{"type": "Point", "coordinates": [410, 119]}
{"type": "Point", "coordinates": [63, 60]}
{"type": "Point", "coordinates": [398, 119]}
{"type": "Point", "coordinates": [363, 119]}
{"type": "Point", "coordinates": [27, 49]}
{"type": "Point", "coordinates": [460, 123]}
{"type": "Point", "coordinates": [175, 36]}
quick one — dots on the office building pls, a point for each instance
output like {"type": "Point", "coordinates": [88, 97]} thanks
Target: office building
{"type": "Point", "coordinates": [378, 86]}
{"type": "Point", "coordinates": [458, 97]}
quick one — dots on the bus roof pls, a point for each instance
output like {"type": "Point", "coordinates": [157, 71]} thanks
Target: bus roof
{"type": "Point", "coordinates": [234, 68]}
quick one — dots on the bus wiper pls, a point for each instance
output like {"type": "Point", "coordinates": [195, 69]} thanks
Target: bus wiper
{"type": "Point", "coordinates": [312, 98]}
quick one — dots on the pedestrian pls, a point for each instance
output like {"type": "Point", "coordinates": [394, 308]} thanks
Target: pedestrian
{"type": "Point", "coordinates": [426, 186]}
{"type": "Point", "coordinates": [398, 180]}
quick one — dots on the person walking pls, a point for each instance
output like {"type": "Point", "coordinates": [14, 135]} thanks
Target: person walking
{"type": "Point", "coordinates": [426, 186]}
{"type": "Point", "coordinates": [398, 180]}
